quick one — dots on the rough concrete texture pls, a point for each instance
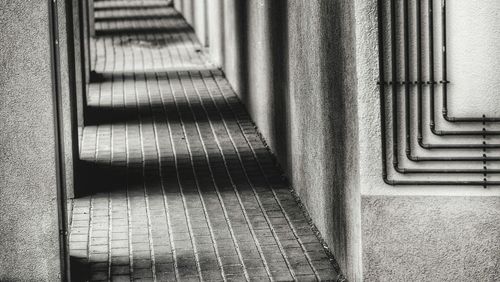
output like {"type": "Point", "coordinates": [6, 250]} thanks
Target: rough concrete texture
{"type": "Point", "coordinates": [322, 162]}
{"type": "Point", "coordinates": [413, 220]}
{"type": "Point", "coordinates": [29, 228]}
{"type": "Point", "coordinates": [431, 238]}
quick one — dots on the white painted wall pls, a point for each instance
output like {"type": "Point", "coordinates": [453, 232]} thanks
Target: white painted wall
{"type": "Point", "coordinates": [474, 57]}
{"type": "Point", "coordinates": [467, 19]}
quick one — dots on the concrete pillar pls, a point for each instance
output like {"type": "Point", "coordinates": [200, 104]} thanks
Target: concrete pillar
{"type": "Point", "coordinates": [91, 18]}
{"type": "Point", "coordinates": [188, 10]}
{"type": "Point", "coordinates": [85, 36]}
{"type": "Point", "coordinates": [196, 14]}
{"type": "Point", "coordinates": [30, 174]}
{"type": "Point", "coordinates": [177, 5]}
{"type": "Point", "coordinates": [68, 91]}
{"type": "Point", "coordinates": [236, 45]}
{"type": "Point", "coordinates": [79, 59]}
{"type": "Point", "coordinates": [215, 14]}
{"type": "Point", "coordinates": [200, 23]}
{"type": "Point", "coordinates": [321, 113]}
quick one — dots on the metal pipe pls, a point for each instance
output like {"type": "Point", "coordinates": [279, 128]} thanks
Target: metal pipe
{"type": "Point", "coordinates": [431, 83]}
{"type": "Point", "coordinates": [444, 61]}
{"type": "Point", "coordinates": [449, 171]}
{"type": "Point", "coordinates": [58, 137]}
{"type": "Point", "coordinates": [440, 183]}
{"type": "Point", "coordinates": [394, 86]}
{"type": "Point", "coordinates": [407, 89]}
{"type": "Point", "coordinates": [419, 68]}
{"type": "Point", "coordinates": [406, 35]}
{"type": "Point", "coordinates": [382, 86]}
{"type": "Point", "coordinates": [394, 108]}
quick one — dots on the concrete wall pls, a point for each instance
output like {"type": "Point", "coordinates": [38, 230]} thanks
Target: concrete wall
{"type": "Point", "coordinates": [307, 72]}
{"type": "Point", "coordinates": [195, 13]}
{"type": "Point", "coordinates": [322, 158]}
{"type": "Point", "coordinates": [84, 13]}
{"type": "Point", "coordinates": [78, 54]}
{"type": "Point", "coordinates": [200, 21]}
{"type": "Point", "coordinates": [431, 238]}
{"type": "Point", "coordinates": [91, 17]}
{"type": "Point", "coordinates": [417, 233]}
{"type": "Point", "coordinates": [29, 218]}
{"type": "Point", "coordinates": [215, 20]}
{"type": "Point", "coordinates": [473, 40]}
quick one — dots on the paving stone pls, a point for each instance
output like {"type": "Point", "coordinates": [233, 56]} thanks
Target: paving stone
{"type": "Point", "coordinates": [230, 260]}
{"type": "Point", "coordinates": [98, 275]}
{"type": "Point", "coordinates": [120, 270]}
{"type": "Point", "coordinates": [120, 278]}
{"type": "Point", "coordinates": [142, 273]}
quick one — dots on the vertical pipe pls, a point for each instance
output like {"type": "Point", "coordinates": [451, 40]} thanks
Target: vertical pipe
{"type": "Point", "coordinates": [91, 18]}
{"type": "Point", "coordinates": [59, 142]}
{"type": "Point", "coordinates": [382, 86]}
{"type": "Point", "coordinates": [394, 84]}
{"type": "Point", "coordinates": [431, 65]}
{"type": "Point", "coordinates": [418, 13]}
{"type": "Point", "coordinates": [444, 58]}
{"type": "Point", "coordinates": [407, 82]}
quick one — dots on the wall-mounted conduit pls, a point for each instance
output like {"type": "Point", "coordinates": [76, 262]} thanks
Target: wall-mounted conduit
{"type": "Point", "coordinates": [420, 154]}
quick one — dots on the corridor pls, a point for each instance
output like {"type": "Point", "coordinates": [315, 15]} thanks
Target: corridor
{"type": "Point", "coordinates": [180, 184]}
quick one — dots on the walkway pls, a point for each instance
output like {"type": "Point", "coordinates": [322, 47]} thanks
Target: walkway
{"type": "Point", "coordinates": [180, 187]}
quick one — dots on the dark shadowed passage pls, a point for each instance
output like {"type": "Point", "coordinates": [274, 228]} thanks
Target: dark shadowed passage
{"type": "Point", "coordinates": [178, 184]}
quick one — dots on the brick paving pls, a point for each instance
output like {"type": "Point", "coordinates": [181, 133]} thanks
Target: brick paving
{"type": "Point", "coordinates": [180, 186]}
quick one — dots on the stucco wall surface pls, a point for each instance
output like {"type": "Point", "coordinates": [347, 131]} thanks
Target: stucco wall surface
{"type": "Point", "coordinates": [473, 35]}
{"type": "Point", "coordinates": [369, 112]}
{"type": "Point", "coordinates": [416, 233]}
{"type": "Point", "coordinates": [431, 238]}
{"type": "Point", "coordinates": [297, 80]}
{"type": "Point", "coordinates": [29, 228]}
{"type": "Point", "coordinates": [322, 162]}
